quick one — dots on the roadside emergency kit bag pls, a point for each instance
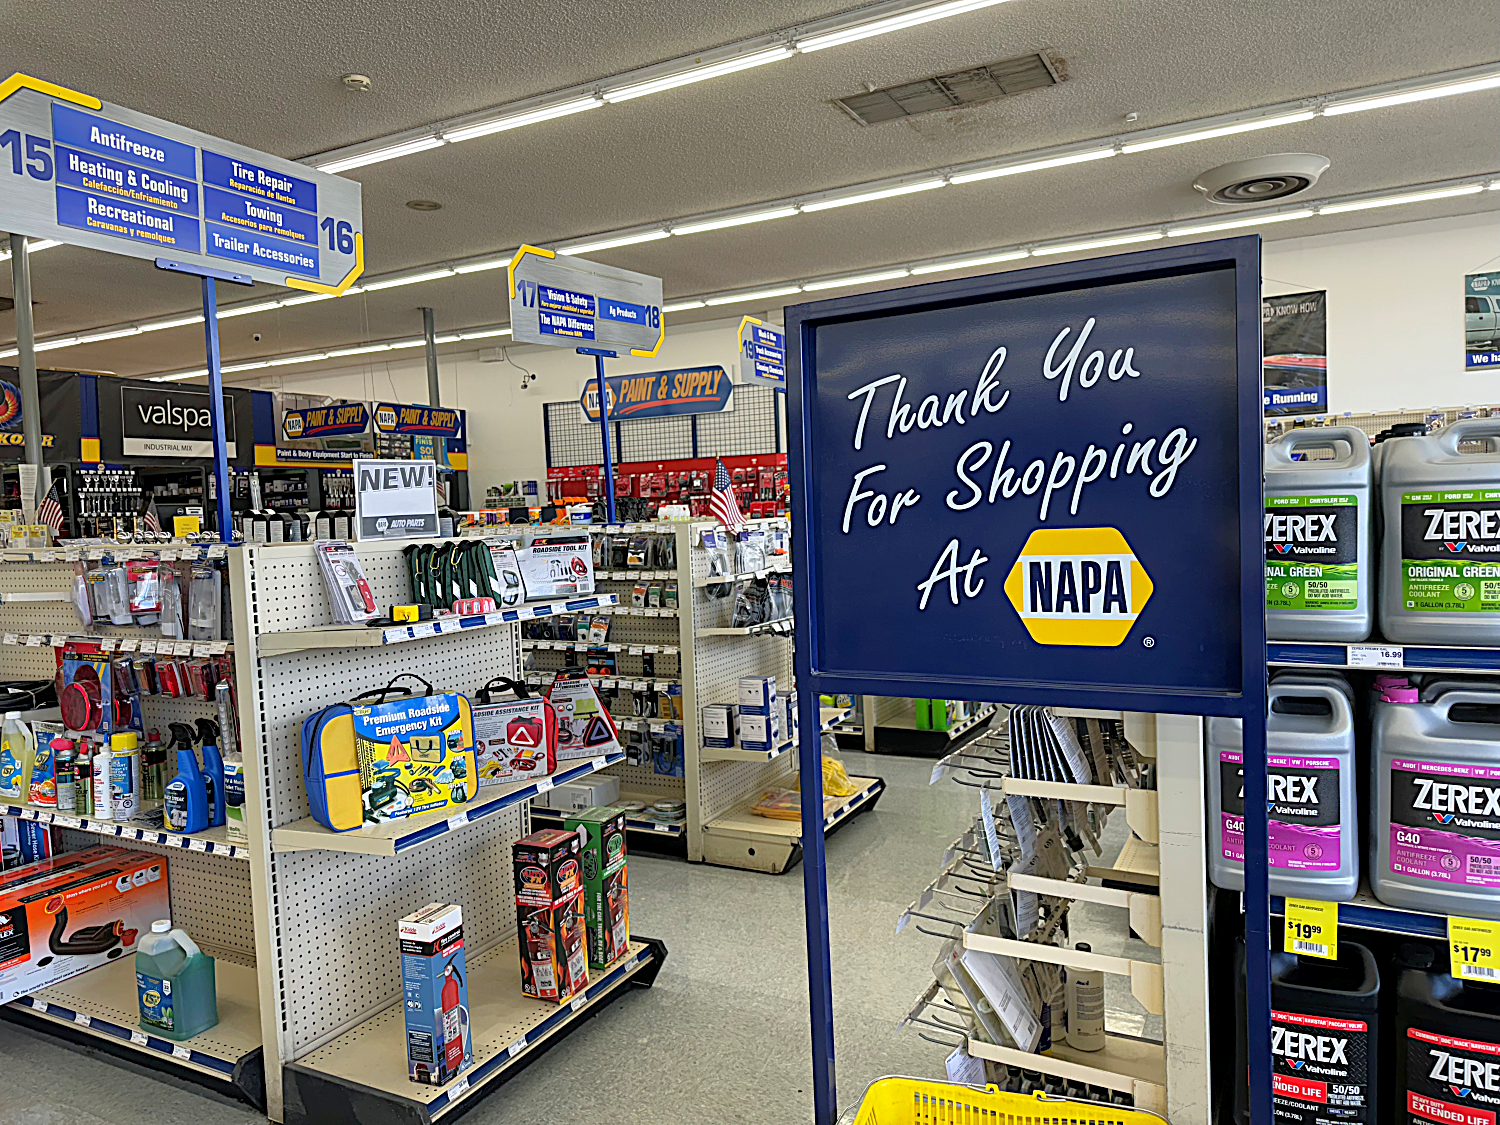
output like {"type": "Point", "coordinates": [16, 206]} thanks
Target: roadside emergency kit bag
{"type": "Point", "coordinates": [515, 738]}
{"type": "Point", "coordinates": [381, 760]}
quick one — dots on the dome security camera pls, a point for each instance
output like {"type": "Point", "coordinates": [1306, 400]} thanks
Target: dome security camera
{"type": "Point", "coordinates": [255, 336]}
{"type": "Point", "coordinates": [1262, 179]}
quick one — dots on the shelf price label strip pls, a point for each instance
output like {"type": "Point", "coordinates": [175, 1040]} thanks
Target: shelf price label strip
{"type": "Point", "coordinates": [112, 828]}
{"type": "Point", "coordinates": [104, 1027]}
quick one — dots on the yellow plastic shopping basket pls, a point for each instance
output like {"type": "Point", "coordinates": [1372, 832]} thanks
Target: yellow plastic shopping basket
{"type": "Point", "coordinates": [913, 1101]}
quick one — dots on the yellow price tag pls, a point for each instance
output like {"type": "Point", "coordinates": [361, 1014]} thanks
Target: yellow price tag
{"type": "Point", "coordinates": [1474, 949]}
{"type": "Point", "coordinates": [1312, 928]}
{"type": "Point", "coordinates": [186, 525]}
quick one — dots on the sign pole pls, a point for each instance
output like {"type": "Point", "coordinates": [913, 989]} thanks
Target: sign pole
{"type": "Point", "coordinates": [31, 406]}
{"type": "Point", "coordinates": [609, 468]}
{"type": "Point", "coordinates": [815, 908]}
{"type": "Point", "coordinates": [216, 406]}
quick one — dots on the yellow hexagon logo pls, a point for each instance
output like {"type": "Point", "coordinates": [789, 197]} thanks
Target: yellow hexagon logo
{"type": "Point", "coordinates": [1078, 586]}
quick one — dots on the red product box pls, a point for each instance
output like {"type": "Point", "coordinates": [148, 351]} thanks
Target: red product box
{"type": "Point", "coordinates": [549, 915]}
{"type": "Point", "coordinates": [63, 916]}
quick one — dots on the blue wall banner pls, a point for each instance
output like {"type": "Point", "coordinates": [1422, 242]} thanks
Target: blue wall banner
{"type": "Point", "coordinates": [339, 420]}
{"type": "Point", "coordinates": [762, 353]}
{"type": "Point", "coordinates": [434, 421]}
{"type": "Point", "coordinates": [660, 394]}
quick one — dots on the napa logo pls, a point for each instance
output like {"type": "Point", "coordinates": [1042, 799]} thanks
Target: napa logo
{"type": "Point", "coordinates": [1078, 586]}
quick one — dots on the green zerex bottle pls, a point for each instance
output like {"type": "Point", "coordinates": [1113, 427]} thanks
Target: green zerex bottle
{"type": "Point", "coordinates": [1440, 551]}
{"type": "Point", "coordinates": [1317, 531]}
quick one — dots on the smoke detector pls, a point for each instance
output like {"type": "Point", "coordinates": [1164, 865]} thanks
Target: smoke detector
{"type": "Point", "coordinates": [1263, 179]}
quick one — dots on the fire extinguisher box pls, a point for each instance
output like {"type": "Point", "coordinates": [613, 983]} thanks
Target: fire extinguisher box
{"type": "Point", "coordinates": [606, 898]}
{"type": "Point", "coordinates": [549, 915]}
{"type": "Point", "coordinates": [434, 984]}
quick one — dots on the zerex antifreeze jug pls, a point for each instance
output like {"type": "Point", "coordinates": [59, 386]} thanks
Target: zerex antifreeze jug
{"type": "Point", "coordinates": [1324, 1027]}
{"type": "Point", "coordinates": [1435, 802]}
{"type": "Point", "coordinates": [1440, 545]}
{"type": "Point", "coordinates": [1317, 530]}
{"type": "Point", "coordinates": [1447, 1045]}
{"type": "Point", "coordinates": [1311, 789]}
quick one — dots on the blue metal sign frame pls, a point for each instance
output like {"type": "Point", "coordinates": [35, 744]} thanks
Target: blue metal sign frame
{"type": "Point", "coordinates": [1225, 277]}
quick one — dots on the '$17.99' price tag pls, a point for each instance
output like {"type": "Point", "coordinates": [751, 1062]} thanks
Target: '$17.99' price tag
{"type": "Point", "coordinates": [1474, 949]}
{"type": "Point", "coordinates": [1312, 928]}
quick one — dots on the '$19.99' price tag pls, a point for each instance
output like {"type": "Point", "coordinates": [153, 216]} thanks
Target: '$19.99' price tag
{"type": "Point", "coordinates": [1312, 928]}
{"type": "Point", "coordinates": [1474, 949]}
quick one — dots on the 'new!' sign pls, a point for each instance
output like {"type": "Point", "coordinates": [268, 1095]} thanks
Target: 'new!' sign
{"type": "Point", "coordinates": [395, 499]}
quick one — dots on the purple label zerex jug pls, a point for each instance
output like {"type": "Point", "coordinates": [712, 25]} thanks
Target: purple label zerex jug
{"type": "Point", "coordinates": [1310, 787]}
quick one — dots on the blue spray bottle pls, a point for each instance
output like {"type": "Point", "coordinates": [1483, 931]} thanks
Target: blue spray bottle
{"type": "Point", "coordinates": [186, 795]}
{"type": "Point", "coordinates": [213, 771]}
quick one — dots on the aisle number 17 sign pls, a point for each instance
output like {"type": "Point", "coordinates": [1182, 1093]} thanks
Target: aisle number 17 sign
{"type": "Point", "coordinates": [87, 173]}
{"type": "Point", "coordinates": [565, 302]}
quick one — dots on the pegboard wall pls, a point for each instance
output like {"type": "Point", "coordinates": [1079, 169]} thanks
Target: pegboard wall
{"type": "Point", "coordinates": [755, 422]}
{"type": "Point", "coordinates": [332, 914]}
{"type": "Point", "coordinates": [718, 663]}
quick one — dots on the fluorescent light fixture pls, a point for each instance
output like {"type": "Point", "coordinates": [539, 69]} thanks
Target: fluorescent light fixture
{"type": "Point", "coordinates": [379, 155]}
{"type": "Point", "coordinates": [479, 267]}
{"type": "Point", "coordinates": [611, 243]}
{"type": "Point", "coordinates": [1391, 200]}
{"type": "Point", "coordinates": [232, 368]}
{"type": "Point", "coordinates": [484, 334]}
{"type": "Point", "coordinates": [1097, 243]}
{"type": "Point", "coordinates": [100, 337]}
{"type": "Point", "coordinates": [244, 310]}
{"type": "Point", "coordinates": [32, 246]}
{"type": "Point", "coordinates": [863, 279]}
{"type": "Point", "coordinates": [180, 375]}
{"type": "Point", "coordinates": [365, 349]}
{"type": "Point", "coordinates": [682, 306]}
{"type": "Point", "coordinates": [391, 283]}
{"type": "Point", "coordinates": [897, 22]}
{"type": "Point", "coordinates": [49, 345]}
{"type": "Point", "coordinates": [735, 220]}
{"type": "Point", "coordinates": [311, 297]}
{"type": "Point", "coordinates": [698, 74]}
{"type": "Point", "coordinates": [8, 352]}
{"type": "Point", "coordinates": [451, 338]}
{"type": "Point", "coordinates": [180, 322]}
{"type": "Point", "coordinates": [1236, 224]}
{"type": "Point", "coordinates": [417, 343]}
{"type": "Point", "coordinates": [526, 117]}
{"type": "Point", "coordinates": [970, 263]}
{"type": "Point", "coordinates": [1489, 82]}
{"type": "Point", "coordinates": [285, 360]}
{"type": "Point", "coordinates": [1220, 131]}
{"type": "Point", "coordinates": [867, 196]}
{"type": "Point", "coordinates": [1032, 166]}
{"type": "Point", "coordinates": [757, 295]}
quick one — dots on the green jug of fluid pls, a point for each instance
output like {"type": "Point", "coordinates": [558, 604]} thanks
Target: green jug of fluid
{"type": "Point", "coordinates": [175, 984]}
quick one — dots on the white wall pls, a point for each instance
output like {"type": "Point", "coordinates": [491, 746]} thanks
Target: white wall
{"type": "Point", "coordinates": [1395, 340]}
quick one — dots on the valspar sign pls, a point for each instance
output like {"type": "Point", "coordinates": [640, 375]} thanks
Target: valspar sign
{"type": "Point", "coordinates": [395, 499]}
{"type": "Point", "coordinates": [172, 422]}
{"type": "Point", "coordinates": [1034, 478]}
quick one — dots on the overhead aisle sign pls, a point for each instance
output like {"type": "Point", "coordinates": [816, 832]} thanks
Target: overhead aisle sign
{"type": "Point", "coordinates": [571, 303]}
{"type": "Point", "coordinates": [87, 173]}
{"type": "Point", "coordinates": [762, 353]}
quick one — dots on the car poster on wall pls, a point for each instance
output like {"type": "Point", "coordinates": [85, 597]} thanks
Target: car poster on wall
{"type": "Point", "coordinates": [1294, 344]}
{"type": "Point", "coordinates": [1482, 319]}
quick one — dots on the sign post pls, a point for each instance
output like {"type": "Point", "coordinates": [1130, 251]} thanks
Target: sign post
{"type": "Point", "coordinates": [595, 309]}
{"type": "Point", "coordinates": [1052, 481]}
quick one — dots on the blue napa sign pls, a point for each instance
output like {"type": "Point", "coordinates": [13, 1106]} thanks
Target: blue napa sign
{"type": "Point", "coordinates": [660, 394]}
{"type": "Point", "coordinates": [1041, 486]}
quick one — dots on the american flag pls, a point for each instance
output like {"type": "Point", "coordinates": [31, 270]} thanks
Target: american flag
{"type": "Point", "coordinates": [50, 512]}
{"type": "Point", "coordinates": [153, 520]}
{"type": "Point", "coordinates": [722, 504]}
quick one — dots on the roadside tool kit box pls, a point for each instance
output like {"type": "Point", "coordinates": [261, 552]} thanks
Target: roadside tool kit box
{"type": "Point", "coordinates": [549, 914]}
{"type": "Point", "coordinates": [63, 916]}
{"type": "Point", "coordinates": [434, 984]}
{"type": "Point", "coordinates": [557, 568]}
{"type": "Point", "coordinates": [606, 897]}
{"type": "Point", "coordinates": [514, 739]}
{"type": "Point", "coordinates": [385, 760]}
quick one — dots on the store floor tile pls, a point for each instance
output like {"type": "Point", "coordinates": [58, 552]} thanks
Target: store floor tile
{"type": "Point", "coordinates": [722, 1037]}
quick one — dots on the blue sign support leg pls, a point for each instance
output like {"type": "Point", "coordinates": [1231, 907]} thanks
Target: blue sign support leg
{"type": "Point", "coordinates": [815, 908]}
{"type": "Point", "coordinates": [1257, 906]}
{"type": "Point", "coordinates": [216, 407]}
{"type": "Point", "coordinates": [609, 468]}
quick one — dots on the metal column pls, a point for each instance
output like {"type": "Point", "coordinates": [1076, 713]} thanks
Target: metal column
{"type": "Point", "coordinates": [31, 405]}
{"type": "Point", "coordinates": [429, 331]}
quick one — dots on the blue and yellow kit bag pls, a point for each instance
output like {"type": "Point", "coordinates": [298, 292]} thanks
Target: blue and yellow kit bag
{"type": "Point", "coordinates": [374, 758]}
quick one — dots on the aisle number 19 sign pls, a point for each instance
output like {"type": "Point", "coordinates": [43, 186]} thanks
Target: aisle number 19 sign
{"type": "Point", "coordinates": [87, 173]}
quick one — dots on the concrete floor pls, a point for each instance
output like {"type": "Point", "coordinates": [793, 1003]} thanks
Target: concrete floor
{"type": "Point", "coordinates": [722, 1037]}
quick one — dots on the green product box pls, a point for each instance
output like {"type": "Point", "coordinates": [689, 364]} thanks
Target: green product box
{"type": "Point", "coordinates": [924, 713]}
{"type": "Point", "coordinates": [606, 899]}
{"type": "Point", "coordinates": [938, 712]}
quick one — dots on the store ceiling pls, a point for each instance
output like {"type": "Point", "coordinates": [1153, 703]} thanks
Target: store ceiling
{"type": "Point", "coordinates": [273, 83]}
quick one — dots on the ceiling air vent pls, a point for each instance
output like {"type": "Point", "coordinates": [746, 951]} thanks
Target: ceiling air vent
{"type": "Point", "coordinates": [949, 91]}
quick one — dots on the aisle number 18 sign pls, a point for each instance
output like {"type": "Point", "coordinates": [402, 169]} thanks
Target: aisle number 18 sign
{"type": "Point", "coordinates": [568, 302]}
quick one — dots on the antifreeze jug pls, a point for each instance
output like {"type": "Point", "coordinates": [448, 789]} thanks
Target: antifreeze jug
{"type": "Point", "coordinates": [1324, 1027]}
{"type": "Point", "coordinates": [1440, 543]}
{"type": "Point", "coordinates": [175, 984]}
{"type": "Point", "coordinates": [1447, 1045]}
{"type": "Point", "coordinates": [1435, 804]}
{"type": "Point", "coordinates": [1311, 792]}
{"type": "Point", "coordinates": [1317, 531]}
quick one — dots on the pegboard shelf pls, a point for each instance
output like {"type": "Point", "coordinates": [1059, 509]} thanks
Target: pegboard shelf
{"type": "Point", "coordinates": [102, 1003]}
{"type": "Point", "coordinates": [639, 611]}
{"type": "Point", "coordinates": [162, 646]}
{"type": "Point", "coordinates": [739, 754]}
{"type": "Point", "coordinates": [781, 627]}
{"type": "Point", "coordinates": [722, 579]}
{"type": "Point", "coordinates": [632, 575]}
{"type": "Point", "coordinates": [211, 841]}
{"type": "Point", "coordinates": [393, 837]}
{"type": "Point", "coordinates": [1136, 1066]}
{"type": "Point", "coordinates": [120, 552]}
{"type": "Point", "coordinates": [361, 636]}
{"type": "Point", "coordinates": [550, 818]}
{"type": "Point", "coordinates": [360, 1077]}
{"type": "Point", "coordinates": [584, 646]}
{"type": "Point", "coordinates": [741, 839]}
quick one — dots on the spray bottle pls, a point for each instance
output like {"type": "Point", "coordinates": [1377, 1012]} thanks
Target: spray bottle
{"type": "Point", "coordinates": [234, 768]}
{"type": "Point", "coordinates": [186, 794]}
{"type": "Point", "coordinates": [213, 771]}
{"type": "Point", "coordinates": [104, 805]}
